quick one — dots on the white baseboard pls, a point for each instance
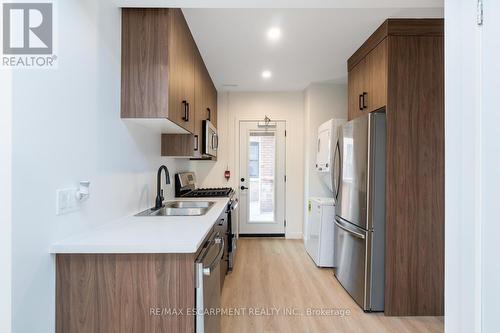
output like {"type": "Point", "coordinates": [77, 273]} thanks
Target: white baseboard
{"type": "Point", "coordinates": [293, 235]}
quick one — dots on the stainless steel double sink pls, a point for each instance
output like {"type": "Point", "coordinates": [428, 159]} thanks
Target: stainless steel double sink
{"type": "Point", "coordinates": [180, 208]}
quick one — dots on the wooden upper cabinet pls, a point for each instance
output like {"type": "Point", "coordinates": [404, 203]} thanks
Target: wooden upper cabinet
{"type": "Point", "coordinates": [367, 82]}
{"type": "Point", "coordinates": [164, 77]}
{"type": "Point", "coordinates": [158, 59]}
{"type": "Point", "coordinates": [199, 104]}
{"type": "Point", "coordinates": [212, 100]}
{"type": "Point", "coordinates": [376, 75]}
{"type": "Point", "coordinates": [144, 79]}
{"type": "Point", "coordinates": [356, 87]}
{"type": "Point", "coordinates": [181, 62]}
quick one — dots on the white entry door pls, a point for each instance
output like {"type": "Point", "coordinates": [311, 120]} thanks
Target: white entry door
{"type": "Point", "coordinates": [262, 178]}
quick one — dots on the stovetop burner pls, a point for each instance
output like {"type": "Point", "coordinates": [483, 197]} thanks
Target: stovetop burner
{"type": "Point", "coordinates": [209, 192]}
{"type": "Point", "coordinates": [185, 186]}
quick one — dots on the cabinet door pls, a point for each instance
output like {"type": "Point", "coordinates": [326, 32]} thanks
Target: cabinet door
{"type": "Point", "coordinates": [207, 97]}
{"type": "Point", "coordinates": [199, 104]}
{"type": "Point", "coordinates": [181, 71]}
{"type": "Point", "coordinates": [144, 63]}
{"type": "Point", "coordinates": [376, 71]}
{"type": "Point", "coordinates": [356, 88]}
{"type": "Point", "coordinates": [212, 100]}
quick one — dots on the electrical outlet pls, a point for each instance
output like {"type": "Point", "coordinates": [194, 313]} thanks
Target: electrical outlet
{"type": "Point", "coordinates": [66, 201]}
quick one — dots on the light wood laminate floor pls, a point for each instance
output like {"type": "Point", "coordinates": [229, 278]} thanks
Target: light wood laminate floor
{"type": "Point", "coordinates": [278, 274]}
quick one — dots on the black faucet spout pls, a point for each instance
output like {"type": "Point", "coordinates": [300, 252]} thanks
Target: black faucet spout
{"type": "Point", "coordinates": [159, 191]}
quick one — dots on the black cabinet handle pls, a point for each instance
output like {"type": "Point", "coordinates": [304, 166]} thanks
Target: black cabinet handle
{"type": "Point", "coordinates": [186, 111]}
{"type": "Point", "coordinates": [196, 143]}
{"type": "Point", "coordinates": [360, 106]}
{"type": "Point", "coordinates": [209, 114]}
{"type": "Point", "coordinates": [243, 188]}
{"type": "Point", "coordinates": [364, 99]}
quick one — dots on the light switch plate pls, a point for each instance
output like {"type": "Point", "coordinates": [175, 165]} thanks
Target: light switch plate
{"type": "Point", "coordinates": [66, 201]}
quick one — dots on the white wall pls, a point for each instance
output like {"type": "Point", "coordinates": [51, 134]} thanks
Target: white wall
{"type": "Point", "coordinates": [472, 163]}
{"type": "Point", "coordinates": [462, 169]}
{"type": "Point", "coordinates": [322, 102]}
{"type": "Point", "coordinates": [234, 107]}
{"type": "Point", "coordinates": [490, 166]}
{"type": "Point", "coordinates": [67, 128]}
{"type": "Point", "coordinates": [5, 200]}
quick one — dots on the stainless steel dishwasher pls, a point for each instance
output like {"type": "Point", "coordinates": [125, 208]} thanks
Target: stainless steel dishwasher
{"type": "Point", "coordinates": [208, 285]}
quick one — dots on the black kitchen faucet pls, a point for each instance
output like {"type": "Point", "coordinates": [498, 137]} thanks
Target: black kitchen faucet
{"type": "Point", "coordinates": [159, 191]}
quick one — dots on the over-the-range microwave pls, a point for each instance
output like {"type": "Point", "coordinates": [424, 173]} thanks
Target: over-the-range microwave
{"type": "Point", "coordinates": [210, 139]}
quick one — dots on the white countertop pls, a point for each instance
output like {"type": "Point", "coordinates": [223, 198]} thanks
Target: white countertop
{"type": "Point", "coordinates": [169, 234]}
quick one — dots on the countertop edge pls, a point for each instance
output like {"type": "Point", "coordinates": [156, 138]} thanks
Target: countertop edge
{"type": "Point", "coordinates": [76, 244]}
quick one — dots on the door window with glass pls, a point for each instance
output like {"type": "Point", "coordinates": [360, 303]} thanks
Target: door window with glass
{"type": "Point", "coordinates": [262, 169]}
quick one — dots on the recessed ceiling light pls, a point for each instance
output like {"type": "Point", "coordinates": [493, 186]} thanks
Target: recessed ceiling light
{"type": "Point", "coordinates": [274, 33]}
{"type": "Point", "coordinates": [266, 74]}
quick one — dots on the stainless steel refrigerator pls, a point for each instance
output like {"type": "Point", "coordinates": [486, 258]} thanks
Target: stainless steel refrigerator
{"type": "Point", "coordinates": [359, 187]}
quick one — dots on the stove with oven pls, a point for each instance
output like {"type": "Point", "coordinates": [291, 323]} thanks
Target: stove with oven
{"type": "Point", "coordinates": [185, 187]}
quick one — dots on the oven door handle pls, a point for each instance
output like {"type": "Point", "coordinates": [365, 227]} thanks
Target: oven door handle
{"type": "Point", "coordinates": [208, 270]}
{"type": "Point", "coordinates": [234, 205]}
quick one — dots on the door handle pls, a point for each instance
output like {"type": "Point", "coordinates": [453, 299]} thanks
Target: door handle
{"type": "Point", "coordinates": [208, 270]}
{"type": "Point", "coordinates": [234, 205]}
{"type": "Point", "coordinates": [354, 233]}
{"type": "Point", "coordinates": [213, 142]}
{"type": "Point", "coordinates": [243, 188]}
{"type": "Point", "coordinates": [216, 141]}
{"type": "Point", "coordinates": [336, 174]}
{"type": "Point", "coordinates": [196, 145]}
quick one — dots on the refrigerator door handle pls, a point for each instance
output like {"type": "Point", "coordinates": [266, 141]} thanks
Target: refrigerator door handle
{"type": "Point", "coordinates": [336, 175]}
{"type": "Point", "coordinates": [354, 233]}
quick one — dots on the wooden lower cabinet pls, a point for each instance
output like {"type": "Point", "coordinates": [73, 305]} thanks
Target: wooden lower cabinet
{"type": "Point", "coordinates": [130, 293]}
{"type": "Point", "coordinates": [121, 293]}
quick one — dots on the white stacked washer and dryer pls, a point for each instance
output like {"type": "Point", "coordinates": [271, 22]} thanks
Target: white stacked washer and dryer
{"type": "Point", "coordinates": [319, 231]}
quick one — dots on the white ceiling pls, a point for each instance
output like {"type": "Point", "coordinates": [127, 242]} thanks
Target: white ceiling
{"type": "Point", "coordinates": [281, 3]}
{"type": "Point", "coordinates": [315, 44]}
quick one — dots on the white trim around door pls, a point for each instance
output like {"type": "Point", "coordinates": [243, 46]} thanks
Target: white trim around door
{"type": "Point", "coordinates": [262, 179]}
